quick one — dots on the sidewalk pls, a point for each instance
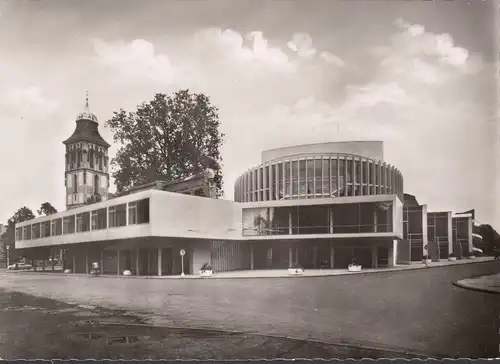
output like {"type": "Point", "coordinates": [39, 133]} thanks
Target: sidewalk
{"type": "Point", "coordinates": [490, 283]}
{"type": "Point", "coordinates": [283, 273]}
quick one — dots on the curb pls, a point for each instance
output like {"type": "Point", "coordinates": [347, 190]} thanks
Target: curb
{"type": "Point", "coordinates": [400, 268]}
{"type": "Point", "coordinates": [475, 288]}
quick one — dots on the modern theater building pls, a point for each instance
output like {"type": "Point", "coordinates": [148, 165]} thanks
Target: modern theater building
{"type": "Point", "coordinates": [318, 205]}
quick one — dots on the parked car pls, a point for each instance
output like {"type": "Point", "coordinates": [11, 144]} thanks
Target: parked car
{"type": "Point", "coordinates": [19, 266]}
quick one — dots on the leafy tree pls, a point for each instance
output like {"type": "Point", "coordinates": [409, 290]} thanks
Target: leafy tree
{"type": "Point", "coordinates": [491, 238]}
{"type": "Point", "coordinates": [47, 209]}
{"type": "Point", "coordinates": [168, 138]}
{"type": "Point", "coordinates": [9, 237]}
{"type": "Point", "coordinates": [93, 199]}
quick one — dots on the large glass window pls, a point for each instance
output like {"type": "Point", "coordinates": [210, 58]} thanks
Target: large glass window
{"type": "Point", "coordinates": [341, 182]}
{"type": "Point", "coordinates": [69, 224]}
{"type": "Point", "coordinates": [334, 186]}
{"type": "Point", "coordinates": [83, 222]}
{"type": "Point", "coordinates": [302, 178]}
{"type": "Point", "coordinates": [310, 176]}
{"type": "Point", "coordinates": [318, 177]}
{"type": "Point", "coordinates": [295, 178]}
{"type": "Point", "coordinates": [45, 229]}
{"type": "Point", "coordinates": [326, 178]}
{"type": "Point", "coordinates": [27, 232]}
{"type": "Point", "coordinates": [99, 219]}
{"type": "Point", "coordinates": [35, 232]}
{"type": "Point", "coordinates": [56, 227]}
{"type": "Point", "coordinates": [272, 194]}
{"type": "Point", "coordinates": [132, 213]}
{"type": "Point", "coordinates": [281, 190]}
{"type": "Point", "coordinates": [143, 211]}
{"type": "Point", "coordinates": [19, 234]}
{"type": "Point", "coordinates": [265, 186]}
{"type": "Point", "coordinates": [117, 216]}
{"type": "Point", "coordinates": [287, 179]}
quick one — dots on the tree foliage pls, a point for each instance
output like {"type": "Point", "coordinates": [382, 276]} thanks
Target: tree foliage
{"type": "Point", "coordinates": [168, 138]}
{"type": "Point", "coordinates": [47, 209]}
{"type": "Point", "coordinates": [491, 238]}
{"type": "Point", "coordinates": [93, 199]}
{"type": "Point", "coordinates": [9, 237]}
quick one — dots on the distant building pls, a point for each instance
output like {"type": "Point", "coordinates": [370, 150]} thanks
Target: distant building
{"type": "Point", "coordinates": [87, 162]}
{"type": "Point", "coordinates": [3, 250]}
{"type": "Point", "coordinates": [317, 205]}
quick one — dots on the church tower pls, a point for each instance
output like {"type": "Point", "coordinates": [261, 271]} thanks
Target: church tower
{"type": "Point", "coordinates": [87, 164]}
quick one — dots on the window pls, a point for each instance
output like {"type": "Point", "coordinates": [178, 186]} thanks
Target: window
{"type": "Point", "coordinates": [326, 177]}
{"type": "Point", "coordinates": [132, 213]}
{"type": "Point", "coordinates": [75, 183]}
{"type": "Point", "coordinates": [35, 233]}
{"type": "Point", "coordinates": [56, 227]}
{"type": "Point", "coordinates": [83, 222]}
{"type": "Point", "coordinates": [117, 215]}
{"type": "Point", "coordinates": [27, 232]}
{"type": "Point", "coordinates": [295, 178]}
{"type": "Point", "coordinates": [142, 211]}
{"type": "Point", "coordinates": [100, 162]}
{"type": "Point", "coordinates": [99, 219]}
{"type": "Point", "coordinates": [91, 158]}
{"type": "Point", "coordinates": [96, 184]}
{"type": "Point", "coordinates": [84, 177]}
{"type": "Point", "coordinates": [69, 225]}
{"type": "Point", "coordinates": [19, 234]}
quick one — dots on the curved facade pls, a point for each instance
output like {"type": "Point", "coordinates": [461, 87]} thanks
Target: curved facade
{"type": "Point", "coordinates": [318, 172]}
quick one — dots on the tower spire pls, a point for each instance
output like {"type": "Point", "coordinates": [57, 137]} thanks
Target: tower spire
{"type": "Point", "coordinates": [87, 100]}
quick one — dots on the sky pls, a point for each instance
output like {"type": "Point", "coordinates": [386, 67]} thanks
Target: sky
{"type": "Point", "coordinates": [418, 75]}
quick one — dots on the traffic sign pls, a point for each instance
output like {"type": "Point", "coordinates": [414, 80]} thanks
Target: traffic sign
{"type": "Point", "coordinates": [183, 252]}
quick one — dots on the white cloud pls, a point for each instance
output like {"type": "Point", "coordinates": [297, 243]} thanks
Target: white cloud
{"type": "Point", "coordinates": [136, 60]}
{"type": "Point", "coordinates": [332, 58]}
{"type": "Point", "coordinates": [302, 43]}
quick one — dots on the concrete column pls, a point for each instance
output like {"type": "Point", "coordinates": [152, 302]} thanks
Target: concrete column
{"type": "Point", "coordinates": [332, 256]}
{"type": "Point", "coordinates": [126, 214]}
{"type": "Point", "coordinates": [252, 263]}
{"type": "Point", "coordinates": [470, 238]}
{"type": "Point", "coordinates": [86, 261]}
{"type": "Point", "coordinates": [74, 263]}
{"type": "Point", "coordinates": [118, 262]}
{"type": "Point", "coordinates": [314, 177]}
{"type": "Point", "coordinates": [149, 262]}
{"type": "Point", "coordinates": [450, 234]}
{"type": "Point", "coordinates": [137, 261]}
{"type": "Point", "coordinates": [330, 217]}
{"type": "Point", "coordinates": [290, 223]}
{"type": "Point", "coordinates": [159, 261]}
{"type": "Point", "coordinates": [374, 256]}
{"type": "Point", "coordinates": [375, 222]}
{"type": "Point", "coordinates": [297, 255]}
{"type": "Point", "coordinates": [102, 262]}
{"type": "Point", "coordinates": [290, 256]}
{"type": "Point", "coordinates": [315, 257]}
{"type": "Point", "coordinates": [425, 240]}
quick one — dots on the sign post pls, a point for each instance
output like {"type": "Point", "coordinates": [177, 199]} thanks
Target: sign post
{"type": "Point", "coordinates": [182, 252]}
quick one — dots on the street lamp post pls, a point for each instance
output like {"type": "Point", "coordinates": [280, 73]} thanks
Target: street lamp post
{"type": "Point", "coordinates": [182, 252]}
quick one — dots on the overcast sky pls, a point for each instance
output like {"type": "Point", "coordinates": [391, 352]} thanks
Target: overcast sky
{"type": "Point", "coordinates": [416, 74]}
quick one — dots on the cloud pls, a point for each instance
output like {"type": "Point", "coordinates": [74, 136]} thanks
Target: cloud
{"type": "Point", "coordinates": [332, 59]}
{"type": "Point", "coordinates": [302, 44]}
{"type": "Point", "coordinates": [136, 60]}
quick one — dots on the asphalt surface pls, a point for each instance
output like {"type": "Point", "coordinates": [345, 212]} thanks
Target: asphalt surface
{"type": "Point", "coordinates": [39, 328]}
{"type": "Point", "coordinates": [415, 311]}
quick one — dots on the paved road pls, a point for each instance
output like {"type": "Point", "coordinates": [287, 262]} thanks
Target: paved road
{"type": "Point", "coordinates": [417, 310]}
{"type": "Point", "coordinates": [38, 328]}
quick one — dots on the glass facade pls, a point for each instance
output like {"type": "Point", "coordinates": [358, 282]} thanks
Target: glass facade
{"type": "Point", "coordinates": [351, 218]}
{"type": "Point", "coordinates": [438, 232]}
{"type": "Point", "coordinates": [461, 235]}
{"type": "Point", "coordinates": [413, 231]}
{"type": "Point", "coordinates": [318, 177]}
{"type": "Point", "coordinates": [138, 212]}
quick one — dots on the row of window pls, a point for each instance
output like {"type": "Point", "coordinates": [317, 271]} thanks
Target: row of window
{"type": "Point", "coordinates": [75, 159]}
{"type": "Point", "coordinates": [318, 177]}
{"type": "Point", "coordinates": [113, 216]}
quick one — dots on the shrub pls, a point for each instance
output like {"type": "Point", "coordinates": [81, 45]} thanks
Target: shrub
{"type": "Point", "coordinates": [206, 266]}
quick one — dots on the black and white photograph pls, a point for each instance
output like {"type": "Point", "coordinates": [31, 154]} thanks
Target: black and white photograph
{"type": "Point", "coordinates": [236, 179]}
